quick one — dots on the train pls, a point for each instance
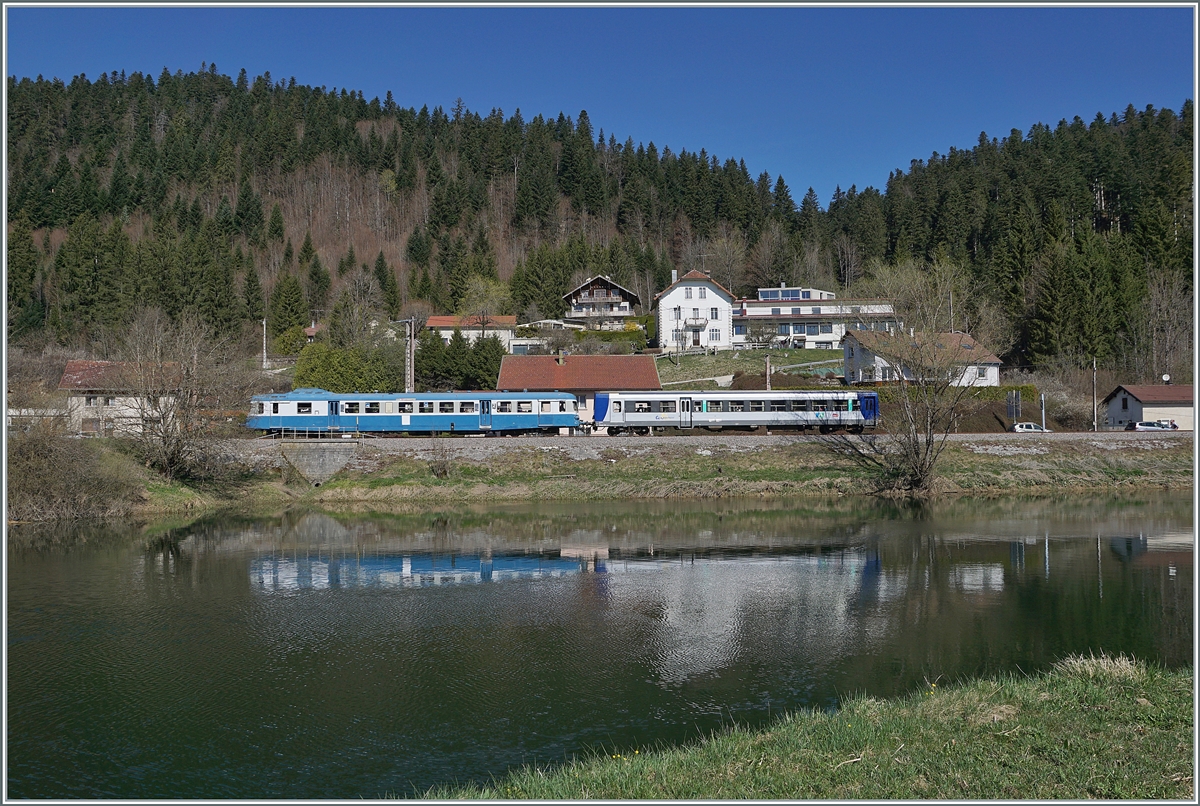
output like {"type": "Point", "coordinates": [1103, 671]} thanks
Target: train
{"type": "Point", "coordinates": [316, 412]}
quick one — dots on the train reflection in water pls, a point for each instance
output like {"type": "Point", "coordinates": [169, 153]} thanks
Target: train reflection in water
{"type": "Point", "coordinates": [282, 573]}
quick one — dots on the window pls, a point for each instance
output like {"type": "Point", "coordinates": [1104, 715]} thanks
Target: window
{"type": "Point", "coordinates": [504, 407]}
{"type": "Point", "coordinates": [89, 401]}
{"type": "Point", "coordinates": [617, 406]}
{"type": "Point", "coordinates": [562, 406]}
{"type": "Point", "coordinates": [405, 406]}
{"type": "Point", "coordinates": [110, 401]}
{"type": "Point", "coordinates": [304, 408]}
{"type": "Point", "coordinates": [546, 406]}
{"type": "Point", "coordinates": [1124, 404]}
{"type": "Point", "coordinates": [466, 407]}
{"type": "Point", "coordinates": [274, 408]}
{"type": "Point", "coordinates": [678, 313]}
{"type": "Point", "coordinates": [798, 329]}
{"type": "Point", "coordinates": [703, 292]}
{"type": "Point", "coordinates": [868, 373]}
{"type": "Point", "coordinates": [737, 405]}
{"type": "Point", "coordinates": [445, 407]}
{"type": "Point", "coordinates": [371, 408]}
{"type": "Point", "coordinates": [641, 407]}
{"type": "Point", "coordinates": [695, 313]}
{"type": "Point", "coordinates": [668, 406]}
{"type": "Point", "coordinates": [791, 293]}
{"type": "Point", "coordinates": [764, 294]}
{"type": "Point", "coordinates": [887, 373]}
{"type": "Point", "coordinates": [756, 405]}
{"type": "Point", "coordinates": [775, 312]}
{"type": "Point", "coordinates": [676, 335]}
{"type": "Point", "coordinates": [795, 311]}
{"type": "Point", "coordinates": [827, 327]}
{"type": "Point", "coordinates": [714, 313]}
{"type": "Point", "coordinates": [350, 408]}
{"type": "Point", "coordinates": [806, 295]}
{"type": "Point", "coordinates": [687, 293]}
{"type": "Point", "coordinates": [799, 405]}
{"type": "Point", "coordinates": [739, 330]}
{"type": "Point", "coordinates": [524, 407]}
{"type": "Point", "coordinates": [820, 405]}
{"type": "Point", "coordinates": [812, 330]}
{"type": "Point", "coordinates": [425, 407]}
{"type": "Point", "coordinates": [783, 329]}
{"type": "Point", "coordinates": [714, 334]}
{"type": "Point", "coordinates": [261, 408]}
{"type": "Point", "coordinates": [816, 311]}
{"type": "Point", "coordinates": [982, 372]}
{"type": "Point", "coordinates": [713, 405]}
{"type": "Point", "coordinates": [779, 405]}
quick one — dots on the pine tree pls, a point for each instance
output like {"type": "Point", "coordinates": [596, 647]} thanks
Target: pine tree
{"type": "Point", "coordinates": [288, 308]}
{"type": "Point", "coordinates": [276, 233]}
{"type": "Point", "coordinates": [22, 265]}
{"type": "Point", "coordinates": [252, 293]}
{"type": "Point", "coordinates": [387, 286]}
{"type": "Point", "coordinates": [319, 284]}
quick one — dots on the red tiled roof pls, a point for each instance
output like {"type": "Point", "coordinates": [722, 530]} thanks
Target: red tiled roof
{"type": "Point", "coordinates": [880, 342]}
{"type": "Point", "coordinates": [470, 322]}
{"type": "Point", "coordinates": [1156, 393]}
{"type": "Point", "coordinates": [578, 373]}
{"type": "Point", "coordinates": [694, 275]}
{"type": "Point", "coordinates": [108, 376]}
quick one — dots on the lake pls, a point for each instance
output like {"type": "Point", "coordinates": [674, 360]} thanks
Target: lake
{"type": "Point", "coordinates": [310, 655]}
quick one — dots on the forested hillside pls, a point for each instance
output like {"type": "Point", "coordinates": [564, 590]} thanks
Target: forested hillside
{"type": "Point", "coordinates": [238, 199]}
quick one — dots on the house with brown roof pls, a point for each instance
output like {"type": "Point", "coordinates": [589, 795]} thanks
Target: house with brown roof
{"type": "Point", "coordinates": [694, 312]}
{"type": "Point", "coordinates": [879, 356]}
{"type": "Point", "coordinates": [581, 375]}
{"type": "Point", "coordinates": [474, 327]}
{"type": "Point", "coordinates": [102, 398]}
{"type": "Point", "coordinates": [1169, 402]}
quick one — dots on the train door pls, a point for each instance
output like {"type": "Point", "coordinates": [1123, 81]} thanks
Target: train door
{"type": "Point", "coordinates": [485, 414]}
{"type": "Point", "coordinates": [869, 405]}
{"type": "Point", "coordinates": [334, 412]}
{"type": "Point", "coordinates": [685, 412]}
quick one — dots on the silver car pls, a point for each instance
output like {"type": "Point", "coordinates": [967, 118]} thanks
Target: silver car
{"type": "Point", "coordinates": [1029, 428]}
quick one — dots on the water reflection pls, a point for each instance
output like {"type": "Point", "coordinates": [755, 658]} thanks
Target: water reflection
{"type": "Point", "coordinates": [318, 656]}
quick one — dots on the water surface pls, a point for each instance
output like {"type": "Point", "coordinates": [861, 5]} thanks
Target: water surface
{"type": "Point", "coordinates": [313, 656]}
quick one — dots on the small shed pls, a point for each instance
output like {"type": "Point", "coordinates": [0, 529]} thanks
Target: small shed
{"type": "Point", "coordinates": [1131, 404]}
{"type": "Point", "coordinates": [581, 375]}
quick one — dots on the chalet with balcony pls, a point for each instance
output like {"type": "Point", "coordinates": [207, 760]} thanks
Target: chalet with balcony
{"type": "Point", "coordinates": [694, 312]}
{"type": "Point", "coordinates": [601, 304]}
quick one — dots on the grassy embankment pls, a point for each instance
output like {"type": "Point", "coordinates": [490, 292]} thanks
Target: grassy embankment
{"type": "Point", "coordinates": [1089, 728]}
{"type": "Point", "coordinates": [748, 362]}
{"type": "Point", "coordinates": [660, 469]}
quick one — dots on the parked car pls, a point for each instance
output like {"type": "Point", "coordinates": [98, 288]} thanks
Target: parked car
{"type": "Point", "coordinates": [1029, 428]}
{"type": "Point", "coordinates": [1147, 425]}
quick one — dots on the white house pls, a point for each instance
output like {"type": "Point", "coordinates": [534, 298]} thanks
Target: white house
{"type": "Point", "coordinates": [1131, 404]}
{"type": "Point", "coordinates": [694, 311]}
{"type": "Point", "coordinates": [794, 316]}
{"type": "Point", "coordinates": [101, 400]}
{"type": "Point", "coordinates": [865, 362]}
{"type": "Point", "coordinates": [472, 327]}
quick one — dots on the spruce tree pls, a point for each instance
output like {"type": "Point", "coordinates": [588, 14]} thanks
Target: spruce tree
{"type": "Point", "coordinates": [319, 283]}
{"type": "Point", "coordinates": [252, 293]}
{"type": "Point", "coordinates": [276, 233]}
{"type": "Point", "coordinates": [288, 308]}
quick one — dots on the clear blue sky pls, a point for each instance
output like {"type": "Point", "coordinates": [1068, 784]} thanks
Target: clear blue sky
{"type": "Point", "coordinates": [823, 96]}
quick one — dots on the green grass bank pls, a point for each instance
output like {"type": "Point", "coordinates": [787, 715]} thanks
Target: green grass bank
{"type": "Point", "coordinates": [1089, 728]}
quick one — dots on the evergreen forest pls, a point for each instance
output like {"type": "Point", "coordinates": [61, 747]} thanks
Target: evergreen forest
{"type": "Point", "coordinates": [239, 199]}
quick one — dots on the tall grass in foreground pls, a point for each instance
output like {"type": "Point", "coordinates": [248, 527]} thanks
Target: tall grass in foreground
{"type": "Point", "coordinates": [1092, 727]}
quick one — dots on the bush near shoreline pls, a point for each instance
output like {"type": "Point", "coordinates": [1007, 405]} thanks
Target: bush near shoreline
{"type": "Point", "coordinates": [1106, 727]}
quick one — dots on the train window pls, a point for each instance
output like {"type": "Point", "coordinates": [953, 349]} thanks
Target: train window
{"type": "Point", "coordinates": [562, 405]}
{"type": "Point", "coordinates": [425, 407]}
{"type": "Point", "coordinates": [274, 408]}
{"type": "Point", "coordinates": [737, 405]}
{"type": "Point", "coordinates": [641, 406]}
{"type": "Point", "coordinates": [756, 405]}
{"type": "Point", "coordinates": [524, 406]}
{"type": "Point", "coordinates": [545, 407]}
{"type": "Point", "coordinates": [261, 408]}
{"type": "Point", "coordinates": [304, 408]}
{"type": "Point", "coordinates": [820, 405]}
{"type": "Point", "coordinates": [445, 407]}
{"type": "Point", "coordinates": [350, 408]}
{"type": "Point", "coordinates": [850, 406]}
{"type": "Point", "coordinates": [779, 405]}
{"type": "Point", "coordinates": [371, 408]}
{"type": "Point", "coordinates": [668, 405]}
{"type": "Point", "coordinates": [466, 407]}
{"type": "Point", "coordinates": [405, 406]}
{"type": "Point", "coordinates": [799, 405]}
{"type": "Point", "coordinates": [504, 406]}
{"type": "Point", "coordinates": [713, 405]}
{"type": "Point", "coordinates": [617, 406]}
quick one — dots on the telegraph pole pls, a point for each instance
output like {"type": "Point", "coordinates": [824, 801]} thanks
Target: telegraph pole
{"type": "Point", "coordinates": [264, 344]}
{"type": "Point", "coordinates": [1094, 394]}
{"type": "Point", "coordinates": [410, 353]}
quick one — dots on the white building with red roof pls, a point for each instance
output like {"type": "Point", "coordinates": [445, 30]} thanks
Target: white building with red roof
{"type": "Point", "coordinates": [694, 312]}
{"type": "Point", "coordinates": [475, 327]}
{"type": "Point", "coordinates": [102, 397]}
{"type": "Point", "coordinates": [1166, 402]}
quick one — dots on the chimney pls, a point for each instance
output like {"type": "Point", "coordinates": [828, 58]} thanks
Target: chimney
{"type": "Point", "coordinates": [674, 276]}
{"type": "Point", "coordinates": [561, 359]}
{"type": "Point", "coordinates": [782, 284]}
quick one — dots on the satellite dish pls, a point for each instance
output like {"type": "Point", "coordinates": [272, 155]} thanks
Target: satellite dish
{"type": "Point", "coordinates": [1166, 379]}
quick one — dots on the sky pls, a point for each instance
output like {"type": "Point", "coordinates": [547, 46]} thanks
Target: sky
{"type": "Point", "coordinates": [824, 96]}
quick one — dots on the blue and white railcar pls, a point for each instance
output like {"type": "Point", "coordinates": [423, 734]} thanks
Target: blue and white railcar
{"type": "Point", "coordinates": [315, 412]}
{"type": "Point", "coordinates": [640, 412]}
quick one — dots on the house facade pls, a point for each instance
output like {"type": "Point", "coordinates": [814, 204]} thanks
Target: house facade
{"type": "Point", "coordinates": [600, 304]}
{"type": "Point", "coordinates": [1131, 404]}
{"type": "Point", "coordinates": [101, 400]}
{"type": "Point", "coordinates": [694, 312]}
{"type": "Point", "coordinates": [580, 375]}
{"type": "Point", "coordinates": [869, 357]}
{"type": "Point", "coordinates": [793, 316]}
{"type": "Point", "coordinates": [472, 327]}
